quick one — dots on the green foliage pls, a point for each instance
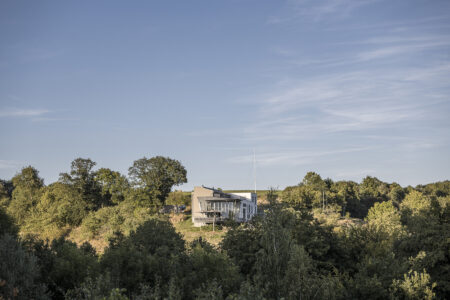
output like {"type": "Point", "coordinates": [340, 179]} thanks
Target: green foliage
{"type": "Point", "coordinates": [314, 180]}
{"type": "Point", "coordinates": [26, 194]}
{"type": "Point", "coordinates": [177, 198]}
{"type": "Point", "coordinates": [82, 179]}
{"type": "Point", "coordinates": [301, 247]}
{"type": "Point", "coordinates": [428, 238]}
{"type": "Point", "coordinates": [71, 265]}
{"type": "Point", "coordinates": [19, 272]}
{"type": "Point", "coordinates": [273, 257]}
{"type": "Point", "coordinates": [414, 286]}
{"type": "Point", "coordinates": [396, 193]}
{"type": "Point", "coordinates": [302, 279]}
{"type": "Point", "coordinates": [124, 218]}
{"type": "Point", "coordinates": [242, 244]}
{"type": "Point", "coordinates": [63, 265]}
{"type": "Point", "coordinates": [211, 290]}
{"type": "Point", "coordinates": [347, 195]}
{"type": "Point", "coordinates": [384, 216]}
{"type": "Point", "coordinates": [7, 223]}
{"type": "Point", "coordinates": [209, 267]}
{"type": "Point", "coordinates": [274, 253]}
{"type": "Point", "coordinates": [300, 196]}
{"type": "Point", "coordinates": [113, 185]}
{"type": "Point", "coordinates": [150, 254]}
{"type": "Point", "coordinates": [142, 197]}
{"type": "Point", "coordinates": [5, 194]}
{"type": "Point", "coordinates": [157, 175]}
{"type": "Point", "coordinates": [372, 187]}
{"type": "Point", "coordinates": [97, 288]}
{"type": "Point", "coordinates": [415, 203]}
{"type": "Point", "coordinates": [62, 205]}
{"type": "Point", "coordinates": [116, 294]}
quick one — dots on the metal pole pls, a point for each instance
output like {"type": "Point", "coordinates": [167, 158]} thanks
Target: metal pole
{"type": "Point", "coordinates": [323, 201]}
{"type": "Point", "coordinates": [254, 167]}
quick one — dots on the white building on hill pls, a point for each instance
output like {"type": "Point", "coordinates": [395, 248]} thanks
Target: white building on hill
{"type": "Point", "coordinates": [214, 206]}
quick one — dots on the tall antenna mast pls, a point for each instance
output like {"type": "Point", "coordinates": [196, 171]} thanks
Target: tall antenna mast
{"type": "Point", "coordinates": [254, 167]}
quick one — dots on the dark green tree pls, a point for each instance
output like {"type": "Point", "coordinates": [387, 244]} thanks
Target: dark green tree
{"type": "Point", "coordinates": [149, 255]}
{"type": "Point", "coordinates": [82, 178]}
{"type": "Point", "coordinates": [208, 268]}
{"type": "Point", "coordinates": [19, 272]}
{"type": "Point", "coordinates": [157, 175]}
{"type": "Point", "coordinates": [26, 194]}
{"type": "Point", "coordinates": [5, 194]}
{"type": "Point", "coordinates": [242, 243]}
{"type": "Point", "coordinates": [113, 185]}
{"type": "Point", "coordinates": [7, 223]}
{"type": "Point", "coordinates": [60, 204]}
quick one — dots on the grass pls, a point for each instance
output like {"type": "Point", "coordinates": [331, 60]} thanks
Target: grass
{"type": "Point", "coordinates": [183, 222]}
{"type": "Point", "coordinates": [183, 225]}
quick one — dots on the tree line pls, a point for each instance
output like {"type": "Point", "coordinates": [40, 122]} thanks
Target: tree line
{"type": "Point", "coordinates": [392, 242]}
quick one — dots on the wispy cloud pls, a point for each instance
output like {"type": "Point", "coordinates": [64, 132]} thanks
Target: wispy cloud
{"type": "Point", "coordinates": [351, 174]}
{"type": "Point", "coordinates": [10, 164]}
{"type": "Point", "coordinates": [408, 25]}
{"type": "Point", "coordinates": [23, 112]}
{"type": "Point", "coordinates": [299, 157]}
{"type": "Point", "coordinates": [46, 119]}
{"type": "Point", "coordinates": [353, 101]}
{"type": "Point", "coordinates": [403, 46]}
{"type": "Point", "coordinates": [283, 51]}
{"type": "Point", "coordinates": [317, 10]}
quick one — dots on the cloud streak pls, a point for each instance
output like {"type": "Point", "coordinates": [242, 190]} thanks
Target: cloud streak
{"type": "Point", "coordinates": [23, 112]}
{"type": "Point", "coordinates": [9, 164]}
{"type": "Point", "coordinates": [300, 157]}
{"type": "Point", "coordinates": [317, 10]}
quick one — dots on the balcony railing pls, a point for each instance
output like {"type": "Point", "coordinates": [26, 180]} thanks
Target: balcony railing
{"type": "Point", "coordinates": [210, 220]}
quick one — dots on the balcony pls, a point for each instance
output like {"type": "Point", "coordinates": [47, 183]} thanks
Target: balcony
{"type": "Point", "coordinates": [210, 220]}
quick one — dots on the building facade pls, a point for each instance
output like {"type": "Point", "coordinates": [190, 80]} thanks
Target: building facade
{"type": "Point", "coordinates": [210, 206]}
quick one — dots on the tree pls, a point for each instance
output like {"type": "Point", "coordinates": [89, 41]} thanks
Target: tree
{"type": "Point", "coordinates": [242, 244]}
{"type": "Point", "coordinates": [113, 185]}
{"type": "Point", "coordinates": [299, 196]}
{"type": "Point", "coordinates": [428, 232]}
{"type": "Point", "coordinates": [5, 194]}
{"type": "Point", "coordinates": [415, 203]}
{"type": "Point", "coordinates": [347, 194]}
{"type": "Point", "coordinates": [147, 255]}
{"type": "Point", "coordinates": [6, 223]}
{"type": "Point", "coordinates": [384, 216]}
{"type": "Point", "coordinates": [26, 194]}
{"type": "Point", "coordinates": [274, 254]}
{"type": "Point", "coordinates": [19, 272]}
{"type": "Point", "coordinates": [176, 198]}
{"type": "Point", "coordinates": [414, 286]}
{"type": "Point", "coordinates": [157, 175]}
{"type": "Point", "coordinates": [207, 267]}
{"type": "Point", "coordinates": [372, 188]}
{"type": "Point", "coordinates": [61, 204]}
{"type": "Point", "coordinates": [71, 264]}
{"type": "Point", "coordinates": [304, 281]}
{"type": "Point", "coordinates": [396, 193]}
{"type": "Point", "coordinates": [82, 178]}
{"type": "Point", "coordinates": [314, 180]}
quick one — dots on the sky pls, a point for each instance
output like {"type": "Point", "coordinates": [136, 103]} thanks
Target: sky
{"type": "Point", "coordinates": [343, 88]}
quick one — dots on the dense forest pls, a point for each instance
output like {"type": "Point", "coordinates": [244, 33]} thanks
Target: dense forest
{"type": "Point", "coordinates": [320, 239]}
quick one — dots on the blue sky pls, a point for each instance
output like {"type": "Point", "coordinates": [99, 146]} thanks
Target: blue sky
{"type": "Point", "coordinates": [344, 88]}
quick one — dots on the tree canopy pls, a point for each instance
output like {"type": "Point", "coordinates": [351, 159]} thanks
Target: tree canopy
{"type": "Point", "coordinates": [319, 239]}
{"type": "Point", "coordinates": [157, 175]}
